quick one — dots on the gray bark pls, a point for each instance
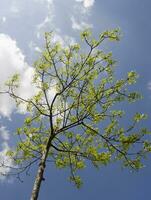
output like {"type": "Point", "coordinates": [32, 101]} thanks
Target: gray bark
{"type": "Point", "coordinates": [39, 177]}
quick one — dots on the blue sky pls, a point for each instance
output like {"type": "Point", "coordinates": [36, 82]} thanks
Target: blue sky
{"type": "Point", "coordinates": [22, 26]}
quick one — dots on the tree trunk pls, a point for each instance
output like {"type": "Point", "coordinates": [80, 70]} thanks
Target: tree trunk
{"type": "Point", "coordinates": [39, 177]}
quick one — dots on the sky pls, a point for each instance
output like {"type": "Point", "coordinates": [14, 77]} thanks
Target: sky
{"type": "Point", "coordinates": [22, 27]}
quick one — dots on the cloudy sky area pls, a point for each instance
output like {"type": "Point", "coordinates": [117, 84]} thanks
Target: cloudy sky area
{"type": "Point", "coordinates": [22, 27]}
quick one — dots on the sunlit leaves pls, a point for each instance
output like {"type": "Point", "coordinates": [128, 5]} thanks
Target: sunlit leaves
{"type": "Point", "coordinates": [133, 96]}
{"type": "Point", "coordinates": [76, 180]}
{"type": "Point", "coordinates": [147, 146]}
{"type": "Point", "coordinates": [73, 117]}
{"type": "Point", "coordinates": [13, 81]}
{"type": "Point", "coordinates": [112, 35]}
{"type": "Point", "coordinates": [28, 121]}
{"type": "Point", "coordinates": [132, 76]}
{"type": "Point", "coordinates": [117, 113]}
{"type": "Point", "coordinates": [85, 34]}
{"type": "Point", "coordinates": [139, 117]}
{"type": "Point", "coordinates": [111, 127]}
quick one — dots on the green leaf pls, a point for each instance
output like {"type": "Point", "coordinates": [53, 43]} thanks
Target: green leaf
{"type": "Point", "coordinates": [139, 117]}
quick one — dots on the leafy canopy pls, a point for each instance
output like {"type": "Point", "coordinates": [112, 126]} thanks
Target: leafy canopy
{"type": "Point", "coordinates": [74, 114]}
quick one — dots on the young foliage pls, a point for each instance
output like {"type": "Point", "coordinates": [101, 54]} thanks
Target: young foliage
{"type": "Point", "coordinates": [72, 118]}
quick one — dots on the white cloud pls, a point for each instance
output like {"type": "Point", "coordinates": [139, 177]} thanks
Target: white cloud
{"type": "Point", "coordinates": [48, 18]}
{"type": "Point", "coordinates": [38, 49]}
{"type": "Point", "coordinates": [5, 161]}
{"type": "Point", "coordinates": [43, 1]}
{"type": "Point", "coordinates": [34, 48]}
{"type": "Point", "coordinates": [149, 85]}
{"type": "Point", "coordinates": [57, 38]}
{"type": "Point", "coordinates": [64, 40]}
{"type": "Point", "coordinates": [3, 19]}
{"type": "Point", "coordinates": [14, 8]}
{"type": "Point", "coordinates": [87, 3]}
{"type": "Point", "coordinates": [69, 40]}
{"type": "Point", "coordinates": [79, 25]}
{"type": "Point", "coordinates": [43, 25]}
{"type": "Point", "coordinates": [80, 17]}
{"type": "Point", "coordinates": [4, 133]}
{"type": "Point", "coordinates": [77, 14]}
{"type": "Point", "coordinates": [12, 61]}
{"type": "Point", "coordinates": [26, 89]}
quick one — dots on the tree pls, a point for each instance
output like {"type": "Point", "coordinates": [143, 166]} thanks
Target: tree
{"type": "Point", "coordinates": [73, 117]}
